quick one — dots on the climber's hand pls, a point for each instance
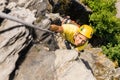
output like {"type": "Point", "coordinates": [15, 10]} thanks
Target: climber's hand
{"type": "Point", "coordinates": [66, 20]}
{"type": "Point", "coordinates": [56, 28]}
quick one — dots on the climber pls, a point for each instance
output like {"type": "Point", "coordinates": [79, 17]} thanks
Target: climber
{"type": "Point", "coordinates": [73, 33]}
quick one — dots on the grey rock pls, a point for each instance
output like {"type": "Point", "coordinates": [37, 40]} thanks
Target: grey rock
{"type": "Point", "coordinates": [39, 65]}
{"type": "Point", "coordinates": [117, 73]}
{"type": "Point", "coordinates": [11, 6]}
{"type": "Point", "coordinates": [3, 4]}
{"type": "Point", "coordinates": [67, 68]}
{"type": "Point", "coordinates": [102, 67]}
{"type": "Point", "coordinates": [14, 37]}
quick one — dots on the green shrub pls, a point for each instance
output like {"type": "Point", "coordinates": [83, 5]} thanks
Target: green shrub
{"type": "Point", "coordinates": [112, 52]}
{"type": "Point", "coordinates": [106, 26]}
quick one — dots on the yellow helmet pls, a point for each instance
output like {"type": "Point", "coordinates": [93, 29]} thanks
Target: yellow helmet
{"type": "Point", "coordinates": [86, 31]}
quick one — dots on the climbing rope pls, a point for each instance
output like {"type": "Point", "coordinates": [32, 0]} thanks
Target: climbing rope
{"type": "Point", "coordinates": [7, 16]}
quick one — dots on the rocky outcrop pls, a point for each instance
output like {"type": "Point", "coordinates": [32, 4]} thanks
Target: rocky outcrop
{"type": "Point", "coordinates": [58, 65]}
{"type": "Point", "coordinates": [66, 65]}
{"type": "Point", "coordinates": [68, 68]}
{"type": "Point", "coordinates": [102, 67]}
{"type": "Point", "coordinates": [14, 37]}
{"type": "Point", "coordinates": [41, 6]}
{"type": "Point", "coordinates": [40, 63]}
{"type": "Point", "coordinates": [3, 4]}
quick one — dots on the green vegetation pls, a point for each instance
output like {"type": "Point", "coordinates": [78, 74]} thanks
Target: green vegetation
{"type": "Point", "coordinates": [106, 25]}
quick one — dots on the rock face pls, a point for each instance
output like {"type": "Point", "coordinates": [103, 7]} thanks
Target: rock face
{"type": "Point", "coordinates": [68, 68]}
{"type": "Point", "coordinates": [13, 38]}
{"type": "Point", "coordinates": [66, 65]}
{"type": "Point", "coordinates": [58, 65]}
{"type": "Point", "coordinates": [3, 4]}
{"type": "Point", "coordinates": [40, 63]}
{"type": "Point", "coordinates": [101, 66]}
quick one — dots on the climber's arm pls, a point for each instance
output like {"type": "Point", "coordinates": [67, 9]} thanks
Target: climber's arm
{"type": "Point", "coordinates": [56, 28]}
